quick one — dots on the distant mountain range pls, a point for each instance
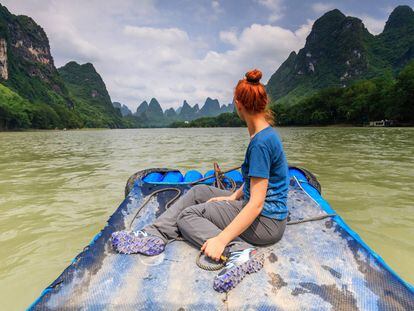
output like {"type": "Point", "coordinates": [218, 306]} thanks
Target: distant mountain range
{"type": "Point", "coordinates": [124, 109]}
{"type": "Point", "coordinates": [340, 50]}
{"type": "Point", "coordinates": [153, 110]}
{"type": "Point", "coordinates": [153, 114]}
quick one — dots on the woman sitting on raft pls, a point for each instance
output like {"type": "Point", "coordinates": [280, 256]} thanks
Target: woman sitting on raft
{"type": "Point", "coordinates": [222, 222]}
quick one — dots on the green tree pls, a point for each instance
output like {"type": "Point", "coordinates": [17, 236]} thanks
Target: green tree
{"type": "Point", "coordinates": [403, 108]}
{"type": "Point", "coordinates": [14, 110]}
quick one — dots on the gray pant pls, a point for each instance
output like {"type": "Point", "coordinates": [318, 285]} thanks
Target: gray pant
{"type": "Point", "coordinates": [198, 221]}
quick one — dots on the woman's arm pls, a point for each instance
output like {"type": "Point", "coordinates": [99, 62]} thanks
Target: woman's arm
{"type": "Point", "coordinates": [214, 247]}
{"type": "Point", "coordinates": [234, 196]}
{"type": "Point", "coordinates": [238, 193]}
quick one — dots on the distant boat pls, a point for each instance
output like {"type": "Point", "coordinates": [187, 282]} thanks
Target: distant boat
{"type": "Point", "coordinates": [320, 265]}
{"type": "Point", "coordinates": [382, 123]}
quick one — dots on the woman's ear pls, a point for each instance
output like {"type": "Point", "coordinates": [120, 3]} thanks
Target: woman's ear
{"type": "Point", "coordinates": [238, 105]}
{"type": "Point", "coordinates": [239, 109]}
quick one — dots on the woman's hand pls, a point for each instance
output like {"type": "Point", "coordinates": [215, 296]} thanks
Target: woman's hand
{"type": "Point", "coordinates": [217, 199]}
{"type": "Point", "coordinates": [234, 196]}
{"type": "Point", "coordinates": [213, 248]}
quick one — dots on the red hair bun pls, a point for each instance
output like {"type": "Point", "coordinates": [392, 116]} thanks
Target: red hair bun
{"type": "Point", "coordinates": [254, 76]}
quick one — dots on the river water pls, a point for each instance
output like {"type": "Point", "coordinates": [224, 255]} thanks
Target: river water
{"type": "Point", "coordinates": [58, 188]}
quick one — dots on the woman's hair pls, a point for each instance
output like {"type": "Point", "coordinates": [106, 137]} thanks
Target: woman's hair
{"type": "Point", "coordinates": [252, 95]}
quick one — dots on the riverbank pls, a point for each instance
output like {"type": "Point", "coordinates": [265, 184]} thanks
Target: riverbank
{"type": "Point", "coordinates": [201, 127]}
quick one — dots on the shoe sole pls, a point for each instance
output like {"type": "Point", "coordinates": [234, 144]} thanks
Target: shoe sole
{"type": "Point", "coordinates": [127, 243]}
{"type": "Point", "coordinates": [230, 280]}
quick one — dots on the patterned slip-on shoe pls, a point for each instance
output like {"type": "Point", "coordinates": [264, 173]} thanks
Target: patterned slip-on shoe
{"type": "Point", "coordinates": [237, 266]}
{"type": "Point", "coordinates": [130, 242]}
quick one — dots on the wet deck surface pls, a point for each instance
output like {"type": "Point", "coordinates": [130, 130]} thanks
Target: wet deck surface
{"type": "Point", "coordinates": [316, 266]}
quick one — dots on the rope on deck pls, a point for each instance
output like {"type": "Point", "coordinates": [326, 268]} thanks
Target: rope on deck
{"type": "Point", "coordinates": [301, 221]}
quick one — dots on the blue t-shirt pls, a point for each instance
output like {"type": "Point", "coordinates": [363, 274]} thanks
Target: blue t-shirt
{"type": "Point", "coordinates": [265, 158]}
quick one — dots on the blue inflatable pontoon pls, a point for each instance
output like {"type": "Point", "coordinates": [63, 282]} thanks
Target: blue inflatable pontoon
{"type": "Point", "coordinates": [318, 265]}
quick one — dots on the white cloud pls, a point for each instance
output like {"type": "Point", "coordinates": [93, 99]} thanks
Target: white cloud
{"type": "Point", "coordinates": [162, 35]}
{"type": "Point", "coordinates": [138, 59]}
{"type": "Point", "coordinates": [275, 7]}
{"type": "Point", "coordinates": [303, 31]}
{"type": "Point", "coordinates": [217, 7]}
{"type": "Point", "coordinates": [374, 25]}
{"type": "Point", "coordinates": [229, 36]}
{"type": "Point", "coordinates": [321, 7]}
{"type": "Point", "coordinates": [76, 28]}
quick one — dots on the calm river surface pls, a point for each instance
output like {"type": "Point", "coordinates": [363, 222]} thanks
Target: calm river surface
{"type": "Point", "coordinates": [57, 189]}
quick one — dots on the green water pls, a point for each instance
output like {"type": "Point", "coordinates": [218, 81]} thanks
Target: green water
{"type": "Point", "coordinates": [57, 189]}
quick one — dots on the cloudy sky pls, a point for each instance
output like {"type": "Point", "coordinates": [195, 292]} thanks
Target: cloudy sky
{"type": "Point", "coordinates": [183, 49]}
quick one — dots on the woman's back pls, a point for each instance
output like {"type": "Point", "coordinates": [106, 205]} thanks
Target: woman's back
{"type": "Point", "coordinates": [265, 158]}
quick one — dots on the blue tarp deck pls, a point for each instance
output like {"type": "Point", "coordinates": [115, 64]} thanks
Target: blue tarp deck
{"type": "Point", "coordinates": [319, 265]}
